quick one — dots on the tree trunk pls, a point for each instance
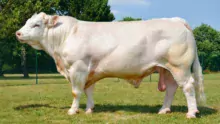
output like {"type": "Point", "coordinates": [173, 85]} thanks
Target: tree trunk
{"type": "Point", "coordinates": [23, 62]}
{"type": "Point", "coordinates": [1, 68]}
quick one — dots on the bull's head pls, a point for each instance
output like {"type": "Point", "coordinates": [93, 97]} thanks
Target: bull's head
{"type": "Point", "coordinates": [35, 29]}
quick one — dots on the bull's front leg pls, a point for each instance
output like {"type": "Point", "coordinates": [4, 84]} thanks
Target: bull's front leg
{"type": "Point", "coordinates": [78, 75]}
{"type": "Point", "coordinates": [90, 102]}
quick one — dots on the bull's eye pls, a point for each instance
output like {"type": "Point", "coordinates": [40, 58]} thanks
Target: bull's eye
{"type": "Point", "coordinates": [36, 25]}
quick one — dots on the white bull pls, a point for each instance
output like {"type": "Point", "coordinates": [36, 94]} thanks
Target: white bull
{"type": "Point", "coordinates": [86, 52]}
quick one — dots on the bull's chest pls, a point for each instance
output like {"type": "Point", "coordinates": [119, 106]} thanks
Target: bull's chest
{"type": "Point", "coordinates": [62, 65]}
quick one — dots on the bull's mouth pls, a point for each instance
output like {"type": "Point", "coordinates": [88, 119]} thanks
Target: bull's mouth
{"type": "Point", "coordinates": [27, 42]}
{"type": "Point", "coordinates": [21, 40]}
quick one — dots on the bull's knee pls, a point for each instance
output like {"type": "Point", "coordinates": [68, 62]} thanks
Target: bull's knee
{"type": "Point", "coordinates": [188, 86]}
{"type": "Point", "coordinates": [74, 94]}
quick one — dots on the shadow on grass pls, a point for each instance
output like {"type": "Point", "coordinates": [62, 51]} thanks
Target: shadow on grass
{"type": "Point", "coordinates": [204, 111]}
{"type": "Point", "coordinates": [22, 107]}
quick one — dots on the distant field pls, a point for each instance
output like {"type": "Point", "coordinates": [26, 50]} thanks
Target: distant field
{"type": "Point", "coordinates": [23, 102]}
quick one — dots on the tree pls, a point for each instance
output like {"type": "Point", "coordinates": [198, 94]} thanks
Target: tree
{"type": "Point", "coordinates": [131, 19]}
{"type": "Point", "coordinates": [206, 32]}
{"type": "Point", "coordinates": [87, 10]}
{"type": "Point", "coordinates": [208, 42]}
{"type": "Point", "coordinates": [13, 15]}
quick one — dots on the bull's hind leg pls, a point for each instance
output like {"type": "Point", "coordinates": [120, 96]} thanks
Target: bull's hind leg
{"type": "Point", "coordinates": [171, 87]}
{"type": "Point", "coordinates": [184, 78]}
{"type": "Point", "coordinates": [189, 91]}
{"type": "Point", "coordinates": [90, 102]}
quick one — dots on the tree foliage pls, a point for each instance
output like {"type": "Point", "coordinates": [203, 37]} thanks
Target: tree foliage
{"type": "Point", "coordinates": [13, 15]}
{"type": "Point", "coordinates": [87, 10]}
{"type": "Point", "coordinates": [208, 42]}
{"type": "Point", "coordinates": [131, 19]}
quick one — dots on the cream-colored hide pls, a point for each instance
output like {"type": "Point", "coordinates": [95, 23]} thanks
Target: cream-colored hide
{"type": "Point", "coordinates": [86, 52]}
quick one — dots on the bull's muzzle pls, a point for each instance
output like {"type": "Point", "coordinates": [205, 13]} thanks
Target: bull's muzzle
{"type": "Point", "coordinates": [18, 36]}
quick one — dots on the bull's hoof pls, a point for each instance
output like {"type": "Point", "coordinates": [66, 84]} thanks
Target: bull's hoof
{"type": "Point", "coordinates": [89, 111]}
{"type": "Point", "coordinates": [164, 111]}
{"type": "Point", "coordinates": [72, 111]}
{"type": "Point", "coordinates": [192, 114]}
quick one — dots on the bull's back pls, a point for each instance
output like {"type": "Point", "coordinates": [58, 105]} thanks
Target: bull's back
{"type": "Point", "coordinates": [127, 32]}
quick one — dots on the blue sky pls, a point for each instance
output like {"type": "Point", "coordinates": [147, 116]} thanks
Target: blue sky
{"type": "Point", "coordinates": [194, 11]}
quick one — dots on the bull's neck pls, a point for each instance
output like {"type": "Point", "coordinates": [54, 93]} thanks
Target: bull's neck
{"type": "Point", "coordinates": [54, 40]}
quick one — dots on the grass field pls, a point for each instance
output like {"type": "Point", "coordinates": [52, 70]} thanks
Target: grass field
{"type": "Point", "coordinates": [23, 102]}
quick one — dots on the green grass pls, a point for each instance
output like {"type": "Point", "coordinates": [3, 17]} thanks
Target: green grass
{"type": "Point", "coordinates": [23, 102]}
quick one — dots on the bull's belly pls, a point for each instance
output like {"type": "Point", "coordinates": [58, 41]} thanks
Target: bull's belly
{"type": "Point", "coordinates": [133, 75]}
{"type": "Point", "coordinates": [126, 70]}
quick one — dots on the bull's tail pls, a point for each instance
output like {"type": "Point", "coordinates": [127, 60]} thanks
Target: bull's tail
{"type": "Point", "coordinates": [200, 95]}
{"type": "Point", "coordinates": [197, 69]}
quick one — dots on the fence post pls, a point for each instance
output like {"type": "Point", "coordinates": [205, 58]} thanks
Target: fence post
{"type": "Point", "coordinates": [36, 62]}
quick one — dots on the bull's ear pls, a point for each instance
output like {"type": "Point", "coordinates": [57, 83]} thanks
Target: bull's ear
{"type": "Point", "coordinates": [53, 21]}
{"type": "Point", "coordinates": [43, 14]}
{"type": "Point", "coordinates": [44, 17]}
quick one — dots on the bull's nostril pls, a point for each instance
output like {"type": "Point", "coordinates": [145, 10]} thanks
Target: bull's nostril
{"type": "Point", "coordinates": [18, 34]}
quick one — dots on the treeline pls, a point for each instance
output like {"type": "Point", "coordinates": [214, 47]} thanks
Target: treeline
{"type": "Point", "coordinates": [20, 58]}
